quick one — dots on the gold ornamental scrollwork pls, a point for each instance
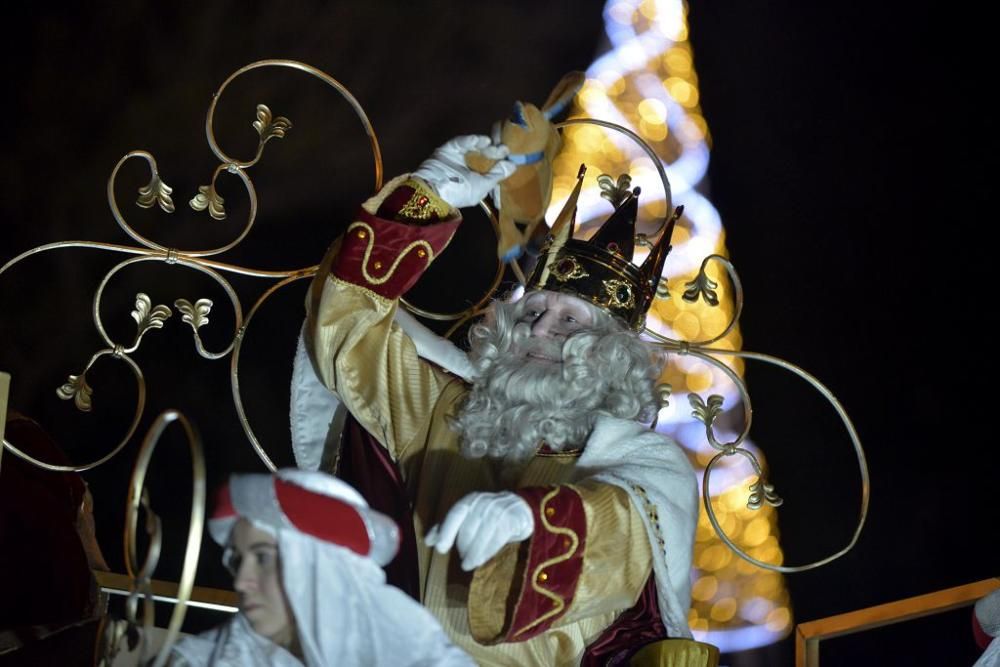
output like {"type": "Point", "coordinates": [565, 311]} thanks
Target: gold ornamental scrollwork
{"type": "Point", "coordinates": [157, 193]}
{"type": "Point", "coordinates": [148, 317]}
{"type": "Point", "coordinates": [138, 496]}
{"type": "Point", "coordinates": [761, 492]}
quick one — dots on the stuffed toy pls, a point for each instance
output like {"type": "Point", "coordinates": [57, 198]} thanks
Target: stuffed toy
{"type": "Point", "coordinates": [533, 142]}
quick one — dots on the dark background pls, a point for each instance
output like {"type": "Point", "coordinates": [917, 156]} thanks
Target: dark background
{"type": "Point", "coordinates": [849, 166]}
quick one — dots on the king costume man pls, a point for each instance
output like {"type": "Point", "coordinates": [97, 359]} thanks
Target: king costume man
{"type": "Point", "coordinates": [553, 526]}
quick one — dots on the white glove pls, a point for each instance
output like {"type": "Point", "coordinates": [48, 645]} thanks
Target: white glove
{"type": "Point", "coordinates": [454, 181]}
{"type": "Point", "coordinates": [483, 523]}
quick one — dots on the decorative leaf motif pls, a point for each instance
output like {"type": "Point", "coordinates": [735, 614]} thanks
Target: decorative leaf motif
{"type": "Point", "coordinates": [207, 197]}
{"type": "Point", "coordinates": [706, 414]}
{"type": "Point", "coordinates": [761, 492]}
{"type": "Point", "coordinates": [197, 314]}
{"type": "Point", "coordinates": [76, 388]}
{"type": "Point", "coordinates": [146, 317]}
{"type": "Point", "coordinates": [662, 290]}
{"type": "Point", "coordinates": [612, 190]}
{"type": "Point", "coordinates": [702, 286]}
{"type": "Point", "coordinates": [157, 192]}
{"type": "Point", "coordinates": [663, 391]}
{"type": "Point", "coordinates": [267, 128]}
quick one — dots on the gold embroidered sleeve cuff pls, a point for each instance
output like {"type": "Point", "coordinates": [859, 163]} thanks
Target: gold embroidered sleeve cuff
{"type": "Point", "coordinates": [387, 251]}
{"type": "Point", "coordinates": [554, 561]}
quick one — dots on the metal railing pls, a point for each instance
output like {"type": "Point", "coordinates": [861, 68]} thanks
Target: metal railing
{"type": "Point", "coordinates": [809, 635]}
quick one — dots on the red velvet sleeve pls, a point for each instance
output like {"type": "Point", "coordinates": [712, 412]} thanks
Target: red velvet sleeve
{"type": "Point", "coordinates": [387, 251]}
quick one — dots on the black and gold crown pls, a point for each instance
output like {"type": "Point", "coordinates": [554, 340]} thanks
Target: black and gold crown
{"type": "Point", "coordinates": [600, 269]}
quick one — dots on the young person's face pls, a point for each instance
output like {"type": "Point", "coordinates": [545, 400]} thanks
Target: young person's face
{"type": "Point", "coordinates": [252, 557]}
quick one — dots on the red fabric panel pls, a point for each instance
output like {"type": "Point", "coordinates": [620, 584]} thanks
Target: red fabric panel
{"type": "Point", "coordinates": [223, 503]}
{"type": "Point", "coordinates": [323, 517]}
{"type": "Point", "coordinates": [635, 628]}
{"type": "Point", "coordinates": [45, 576]}
{"type": "Point", "coordinates": [982, 638]}
{"type": "Point", "coordinates": [367, 466]}
{"type": "Point", "coordinates": [560, 579]}
{"type": "Point", "coordinates": [391, 241]}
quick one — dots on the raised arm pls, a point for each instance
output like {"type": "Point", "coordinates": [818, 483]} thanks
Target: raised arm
{"type": "Point", "coordinates": [355, 346]}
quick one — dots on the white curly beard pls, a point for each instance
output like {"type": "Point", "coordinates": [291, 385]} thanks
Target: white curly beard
{"type": "Point", "coordinates": [534, 390]}
{"type": "Point", "coordinates": [522, 402]}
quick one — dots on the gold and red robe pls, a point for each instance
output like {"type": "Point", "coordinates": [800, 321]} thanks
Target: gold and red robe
{"type": "Point", "coordinates": [601, 527]}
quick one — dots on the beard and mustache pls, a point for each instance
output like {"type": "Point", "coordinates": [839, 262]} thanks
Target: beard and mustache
{"type": "Point", "coordinates": [529, 391]}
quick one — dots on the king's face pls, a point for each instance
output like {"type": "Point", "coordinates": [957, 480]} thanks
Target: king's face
{"type": "Point", "coordinates": [553, 315]}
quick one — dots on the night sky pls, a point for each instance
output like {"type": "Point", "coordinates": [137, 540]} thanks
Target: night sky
{"type": "Point", "coordinates": [849, 166]}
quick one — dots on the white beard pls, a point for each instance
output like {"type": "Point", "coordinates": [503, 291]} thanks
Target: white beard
{"type": "Point", "coordinates": [518, 402]}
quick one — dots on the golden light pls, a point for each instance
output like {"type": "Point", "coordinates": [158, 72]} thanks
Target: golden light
{"type": "Point", "coordinates": [705, 588]}
{"type": "Point", "coordinates": [650, 85]}
{"type": "Point", "coordinates": [756, 532]}
{"type": "Point", "coordinates": [653, 131]}
{"type": "Point", "coordinates": [723, 610]}
{"type": "Point", "coordinates": [682, 91]}
{"type": "Point", "coordinates": [677, 61]}
{"type": "Point", "coordinates": [779, 619]}
{"type": "Point", "coordinates": [652, 111]}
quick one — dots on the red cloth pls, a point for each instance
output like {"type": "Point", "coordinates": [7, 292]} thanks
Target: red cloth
{"type": "Point", "coordinates": [45, 577]}
{"type": "Point", "coordinates": [365, 465]}
{"type": "Point", "coordinates": [535, 612]}
{"type": "Point", "coordinates": [983, 639]}
{"type": "Point", "coordinates": [635, 628]}
{"type": "Point", "coordinates": [325, 518]}
{"type": "Point", "coordinates": [388, 257]}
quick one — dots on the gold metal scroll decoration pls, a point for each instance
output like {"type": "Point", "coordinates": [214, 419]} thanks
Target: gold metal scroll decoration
{"type": "Point", "coordinates": [702, 287]}
{"type": "Point", "coordinates": [195, 313]}
{"type": "Point", "coordinates": [464, 315]}
{"type": "Point", "coordinates": [481, 303]}
{"type": "Point", "coordinates": [141, 577]}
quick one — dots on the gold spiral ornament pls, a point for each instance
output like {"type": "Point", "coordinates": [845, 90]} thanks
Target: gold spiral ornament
{"type": "Point", "coordinates": [137, 496]}
{"type": "Point", "coordinates": [158, 193]}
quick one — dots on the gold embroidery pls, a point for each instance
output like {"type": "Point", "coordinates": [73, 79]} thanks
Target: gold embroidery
{"type": "Point", "coordinates": [367, 292]}
{"type": "Point", "coordinates": [421, 244]}
{"type": "Point", "coordinates": [569, 454]}
{"type": "Point", "coordinates": [416, 208]}
{"type": "Point", "coordinates": [423, 205]}
{"type": "Point", "coordinates": [558, 603]}
{"type": "Point", "coordinates": [652, 513]}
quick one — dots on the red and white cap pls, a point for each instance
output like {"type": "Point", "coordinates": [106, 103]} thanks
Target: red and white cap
{"type": "Point", "coordinates": [312, 503]}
